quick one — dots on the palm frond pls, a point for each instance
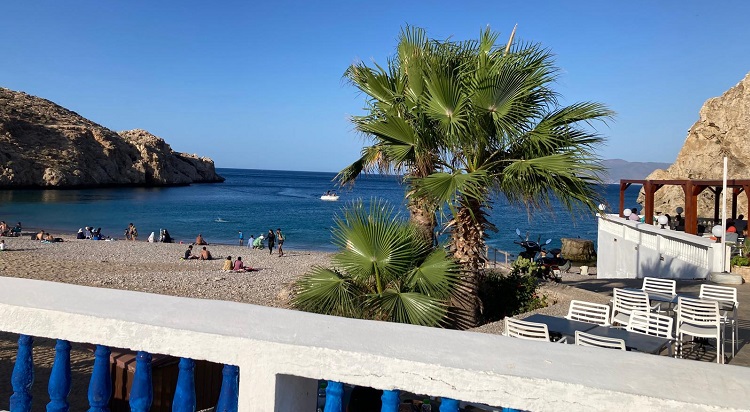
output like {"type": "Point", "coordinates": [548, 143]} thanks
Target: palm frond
{"type": "Point", "coordinates": [326, 291]}
{"type": "Point", "coordinates": [408, 307]}
{"type": "Point", "coordinates": [437, 276]}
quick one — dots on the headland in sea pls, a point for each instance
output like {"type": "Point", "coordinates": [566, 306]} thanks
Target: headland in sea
{"type": "Point", "coordinates": [255, 201]}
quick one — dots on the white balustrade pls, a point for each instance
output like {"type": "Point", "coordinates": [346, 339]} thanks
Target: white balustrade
{"type": "Point", "coordinates": [282, 353]}
{"type": "Point", "coordinates": [628, 249]}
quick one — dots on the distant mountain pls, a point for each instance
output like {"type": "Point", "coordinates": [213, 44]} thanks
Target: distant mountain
{"type": "Point", "coordinates": [622, 169]}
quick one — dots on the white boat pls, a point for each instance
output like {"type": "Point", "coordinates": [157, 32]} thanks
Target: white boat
{"type": "Point", "coordinates": [330, 198]}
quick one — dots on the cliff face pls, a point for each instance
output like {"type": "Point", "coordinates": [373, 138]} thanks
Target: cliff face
{"type": "Point", "coordinates": [723, 129]}
{"type": "Point", "coordinates": [45, 145]}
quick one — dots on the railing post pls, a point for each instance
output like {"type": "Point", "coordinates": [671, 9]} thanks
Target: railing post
{"type": "Point", "coordinates": [59, 380]}
{"type": "Point", "coordinates": [334, 396]}
{"type": "Point", "coordinates": [448, 405]}
{"type": "Point", "coordinates": [100, 386]}
{"type": "Point", "coordinates": [390, 401]}
{"type": "Point", "coordinates": [229, 389]}
{"type": "Point", "coordinates": [184, 395]}
{"type": "Point", "coordinates": [23, 376]}
{"type": "Point", "coordinates": [142, 391]}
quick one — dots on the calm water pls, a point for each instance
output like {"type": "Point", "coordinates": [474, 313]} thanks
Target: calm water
{"type": "Point", "coordinates": [254, 201]}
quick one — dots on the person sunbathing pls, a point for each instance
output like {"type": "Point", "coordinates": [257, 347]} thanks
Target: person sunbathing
{"type": "Point", "coordinates": [205, 254]}
{"type": "Point", "coordinates": [200, 241]}
{"type": "Point", "coordinates": [239, 266]}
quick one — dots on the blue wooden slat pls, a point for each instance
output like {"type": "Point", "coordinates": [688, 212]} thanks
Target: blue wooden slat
{"type": "Point", "coordinates": [448, 405]}
{"type": "Point", "coordinates": [59, 379]}
{"type": "Point", "coordinates": [334, 396]}
{"type": "Point", "coordinates": [184, 395]}
{"type": "Point", "coordinates": [228, 396]}
{"type": "Point", "coordinates": [23, 376]}
{"type": "Point", "coordinates": [142, 391]}
{"type": "Point", "coordinates": [390, 401]}
{"type": "Point", "coordinates": [100, 385]}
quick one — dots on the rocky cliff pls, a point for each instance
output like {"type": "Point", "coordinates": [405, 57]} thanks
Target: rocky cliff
{"type": "Point", "coordinates": [722, 129]}
{"type": "Point", "coordinates": [45, 145]}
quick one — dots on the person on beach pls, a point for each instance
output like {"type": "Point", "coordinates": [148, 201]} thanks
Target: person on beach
{"type": "Point", "coordinates": [165, 237]}
{"type": "Point", "coordinates": [205, 254]}
{"type": "Point", "coordinates": [131, 233]}
{"type": "Point", "coordinates": [80, 234]}
{"type": "Point", "coordinates": [242, 239]}
{"type": "Point", "coordinates": [239, 266]}
{"type": "Point", "coordinates": [189, 253]}
{"type": "Point", "coordinates": [200, 241]}
{"type": "Point", "coordinates": [258, 242]}
{"type": "Point", "coordinates": [40, 235]}
{"type": "Point", "coordinates": [250, 241]}
{"type": "Point", "coordinates": [280, 239]}
{"type": "Point", "coordinates": [2, 245]}
{"type": "Point", "coordinates": [271, 241]}
{"type": "Point", "coordinates": [227, 264]}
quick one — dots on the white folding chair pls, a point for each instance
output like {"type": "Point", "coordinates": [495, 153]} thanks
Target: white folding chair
{"type": "Point", "coordinates": [522, 329]}
{"type": "Point", "coordinates": [727, 297]}
{"type": "Point", "coordinates": [587, 339]}
{"type": "Point", "coordinates": [658, 285]}
{"type": "Point", "coordinates": [588, 312]}
{"type": "Point", "coordinates": [625, 301]}
{"type": "Point", "coordinates": [652, 324]}
{"type": "Point", "coordinates": [700, 319]}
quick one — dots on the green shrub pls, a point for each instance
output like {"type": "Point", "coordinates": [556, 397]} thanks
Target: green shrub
{"type": "Point", "coordinates": [511, 294]}
{"type": "Point", "coordinates": [740, 261]}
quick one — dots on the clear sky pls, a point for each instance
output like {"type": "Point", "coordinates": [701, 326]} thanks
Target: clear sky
{"type": "Point", "coordinates": [259, 84]}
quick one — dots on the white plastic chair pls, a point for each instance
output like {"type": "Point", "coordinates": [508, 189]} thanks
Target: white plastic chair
{"type": "Point", "coordinates": [658, 285]}
{"type": "Point", "coordinates": [726, 296]}
{"type": "Point", "coordinates": [625, 301]}
{"type": "Point", "coordinates": [589, 312]}
{"type": "Point", "coordinates": [522, 329]}
{"type": "Point", "coordinates": [587, 339]}
{"type": "Point", "coordinates": [700, 319]}
{"type": "Point", "coordinates": [652, 324]}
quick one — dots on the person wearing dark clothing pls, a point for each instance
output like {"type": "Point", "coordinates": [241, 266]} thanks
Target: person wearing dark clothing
{"type": "Point", "coordinates": [165, 237]}
{"type": "Point", "coordinates": [189, 253]}
{"type": "Point", "coordinates": [271, 241]}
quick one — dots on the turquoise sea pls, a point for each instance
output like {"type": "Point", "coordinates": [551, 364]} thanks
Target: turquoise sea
{"type": "Point", "coordinates": [254, 201]}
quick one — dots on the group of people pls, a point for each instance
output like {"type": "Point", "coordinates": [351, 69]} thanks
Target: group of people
{"type": "Point", "coordinates": [204, 254]}
{"type": "Point", "coordinates": [90, 233]}
{"type": "Point", "coordinates": [131, 233]}
{"type": "Point", "coordinates": [237, 266]}
{"type": "Point", "coordinates": [6, 230]}
{"type": "Point", "coordinates": [272, 238]}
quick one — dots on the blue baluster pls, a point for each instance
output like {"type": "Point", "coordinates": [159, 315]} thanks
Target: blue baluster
{"type": "Point", "coordinates": [389, 401]}
{"type": "Point", "coordinates": [100, 385]}
{"type": "Point", "coordinates": [59, 379]}
{"type": "Point", "coordinates": [228, 396]}
{"type": "Point", "coordinates": [23, 376]}
{"type": "Point", "coordinates": [142, 391]}
{"type": "Point", "coordinates": [448, 405]}
{"type": "Point", "coordinates": [511, 410]}
{"type": "Point", "coordinates": [334, 395]}
{"type": "Point", "coordinates": [184, 395]}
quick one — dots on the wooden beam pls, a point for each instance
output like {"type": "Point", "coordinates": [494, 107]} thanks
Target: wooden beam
{"type": "Point", "coordinates": [623, 187]}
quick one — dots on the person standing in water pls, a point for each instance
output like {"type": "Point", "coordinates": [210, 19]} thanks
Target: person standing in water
{"type": "Point", "coordinates": [271, 241]}
{"type": "Point", "coordinates": [280, 239]}
{"type": "Point", "coordinates": [242, 238]}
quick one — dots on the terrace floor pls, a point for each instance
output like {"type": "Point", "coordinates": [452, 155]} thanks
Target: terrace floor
{"type": "Point", "coordinates": [742, 357]}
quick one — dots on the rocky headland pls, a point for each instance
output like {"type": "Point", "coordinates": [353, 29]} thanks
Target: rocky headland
{"type": "Point", "coordinates": [721, 130]}
{"type": "Point", "coordinates": [44, 145]}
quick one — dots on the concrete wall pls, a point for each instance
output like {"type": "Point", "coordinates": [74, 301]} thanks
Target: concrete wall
{"type": "Point", "coordinates": [276, 348]}
{"type": "Point", "coordinates": [628, 249]}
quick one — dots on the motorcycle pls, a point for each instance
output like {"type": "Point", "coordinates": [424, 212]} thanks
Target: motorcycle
{"type": "Point", "coordinates": [551, 262]}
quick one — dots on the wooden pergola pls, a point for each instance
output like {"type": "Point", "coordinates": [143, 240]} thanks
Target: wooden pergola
{"type": "Point", "coordinates": [692, 188]}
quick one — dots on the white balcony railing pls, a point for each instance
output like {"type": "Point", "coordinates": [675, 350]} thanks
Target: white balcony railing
{"type": "Point", "coordinates": [628, 249]}
{"type": "Point", "coordinates": [282, 353]}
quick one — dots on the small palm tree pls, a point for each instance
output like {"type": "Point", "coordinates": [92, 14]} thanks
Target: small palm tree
{"type": "Point", "coordinates": [385, 270]}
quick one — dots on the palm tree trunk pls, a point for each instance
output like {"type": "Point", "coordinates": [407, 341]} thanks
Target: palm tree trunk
{"type": "Point", "coordinates": [422, 214]}
{"type": "Point", "coordinates": [467, 247]}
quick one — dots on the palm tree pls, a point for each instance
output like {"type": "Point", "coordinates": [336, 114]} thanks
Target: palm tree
{"type": "Point", "coordinates": [385, 270]}
{"type": "Point", "coordinates": [405, 140]}
{"type": "Point", "coordinates": [506, 134]}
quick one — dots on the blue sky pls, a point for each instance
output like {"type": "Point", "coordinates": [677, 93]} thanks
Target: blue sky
{"type": "Point", "coordinates": [259, 85]}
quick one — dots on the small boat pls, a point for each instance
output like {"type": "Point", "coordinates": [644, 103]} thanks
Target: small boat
{"type": "Point", "coordinates": [330, 198]}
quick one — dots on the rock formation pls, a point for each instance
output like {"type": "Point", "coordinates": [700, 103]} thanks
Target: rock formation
{"type": "Point", "coordinates": [722, 130]}
{"type": "Point", "coordinates": [45, 145]}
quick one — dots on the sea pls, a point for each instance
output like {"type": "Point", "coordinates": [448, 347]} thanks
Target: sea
{"type": "Point", "coordinates": [254, 201]}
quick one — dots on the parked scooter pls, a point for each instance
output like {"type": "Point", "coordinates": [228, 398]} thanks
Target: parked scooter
{"type": "Point", "coordinates": [553, 264]}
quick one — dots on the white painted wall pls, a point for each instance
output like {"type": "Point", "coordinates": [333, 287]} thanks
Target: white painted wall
{"type": "Point", "coordinates": [273, 347]}
{"type": "Point", "coordinates": [628, 249]}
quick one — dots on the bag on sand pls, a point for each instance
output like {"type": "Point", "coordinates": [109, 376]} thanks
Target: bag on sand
{"type": "Point", "coordinates": [151, 237]}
